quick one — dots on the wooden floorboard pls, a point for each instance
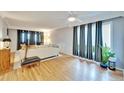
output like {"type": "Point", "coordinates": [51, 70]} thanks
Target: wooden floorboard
{"type": "Point", "coordinates": [63, 68]}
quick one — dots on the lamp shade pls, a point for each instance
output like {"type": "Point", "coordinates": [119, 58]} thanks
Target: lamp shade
{"type": "Point", "coordinates": [6, 39]}
{"type": "Point", "coordinates": [7, 42]}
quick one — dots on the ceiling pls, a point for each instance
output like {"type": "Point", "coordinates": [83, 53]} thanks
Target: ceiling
{"type": "Point", "coordinates": [51, 20]}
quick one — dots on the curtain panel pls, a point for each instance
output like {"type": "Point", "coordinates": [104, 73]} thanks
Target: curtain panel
{"type": "Point", "coordinates": [75, 41]}
{"type": "Point", "coordinates": [82, 41]}
{"type": "Point", "coordinates": [98, 42]}
{"type": "Point", "coordinates": [89, 42]}
{"type": "Point", "coordinates": [40, 38]}
{"type": "Point", "coordinates": [32, 38]}
{"type": "Point", "coordinates": [19, 39]}
{"type": "Point", "coordinates": [26, 37]}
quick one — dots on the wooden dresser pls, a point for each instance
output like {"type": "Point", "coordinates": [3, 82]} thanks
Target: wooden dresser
{"type": "Point", "coordinates": [4, 60]}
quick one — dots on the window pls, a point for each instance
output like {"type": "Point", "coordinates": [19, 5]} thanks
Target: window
{"type": "Point", "coordinates": [86, 29]}
{"type": "Point", "coordinates": [106, 29]}
{"type": "Point", "coordinates": [78, 38]}
{"type": "Point", "coordinates": [93, 39]}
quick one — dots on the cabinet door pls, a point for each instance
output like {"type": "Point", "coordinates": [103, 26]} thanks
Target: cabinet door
{"type": "Point", "coordinates": [5, 59]}
{"type": "Point", "coordinates": [0, 60]}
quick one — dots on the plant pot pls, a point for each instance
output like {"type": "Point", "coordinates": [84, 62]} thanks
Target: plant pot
{"type": "Point", "coordinates": [104, 65]}
{"type": "Point", "coordinates": [112, 63]}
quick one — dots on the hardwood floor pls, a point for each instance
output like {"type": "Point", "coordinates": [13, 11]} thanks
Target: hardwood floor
{"type": "Point", "coordinates": [63, 68]}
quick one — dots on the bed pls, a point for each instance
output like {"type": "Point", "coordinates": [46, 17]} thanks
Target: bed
{"type": "Point", "coordinates": [41, 52]}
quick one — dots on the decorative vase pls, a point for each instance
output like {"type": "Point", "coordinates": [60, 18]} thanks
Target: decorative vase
{"type": "Point", "coordinates": [112, 63]}
{"type": "Point", "coordinates": [103, 65]}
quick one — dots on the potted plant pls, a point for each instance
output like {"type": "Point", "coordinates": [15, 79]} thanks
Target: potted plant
{"type": "Point", "coordinates": [106, 54]}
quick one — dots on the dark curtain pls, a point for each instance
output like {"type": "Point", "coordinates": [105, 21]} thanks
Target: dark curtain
{"type": "Point", "coordinates": [75, 42]}
{"type": "Point", "coordinates": [89, 41]}
{"type": "Point", "coordinates": [98, 41]}
{"type": "Point", "coordinates": [26, 37]}
{"type": "Point", "coordinates": [19, 39]}
{"type": "Point", "coordinates": [82, 41]}
{"type": "Point", "coordinates": [38, 42]}
{"type": "Point", "coordinates": [32, 38]}
{"type": "Point", "coordinates": [40, 38]}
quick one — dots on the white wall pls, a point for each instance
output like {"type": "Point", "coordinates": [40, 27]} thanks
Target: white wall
{"type": "Point", "coordinates": [63, 38]}
{"type": "Point", "coordinates": [118, 40]}
{"type": "Point", "coordinates": [0, 28]}
{"type": "Point", "coordinates": [13, 37]}
{"type": "Point", "coordinates": [3, 28]}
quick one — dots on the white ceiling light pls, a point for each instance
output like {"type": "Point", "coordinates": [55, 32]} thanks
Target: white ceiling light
{"type": "Point", "coordinates": [71, 19]}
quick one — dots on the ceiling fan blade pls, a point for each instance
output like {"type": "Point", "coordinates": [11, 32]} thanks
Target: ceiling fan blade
{"type": "Point", "coordinates": [79, 20]}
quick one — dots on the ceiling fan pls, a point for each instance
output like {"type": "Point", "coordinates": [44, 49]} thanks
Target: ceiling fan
{"type": "Point", "coordinates": [73, 19]}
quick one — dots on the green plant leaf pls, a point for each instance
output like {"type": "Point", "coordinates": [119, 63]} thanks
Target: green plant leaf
{"type": "Point", "coordinates": [106, 53]}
